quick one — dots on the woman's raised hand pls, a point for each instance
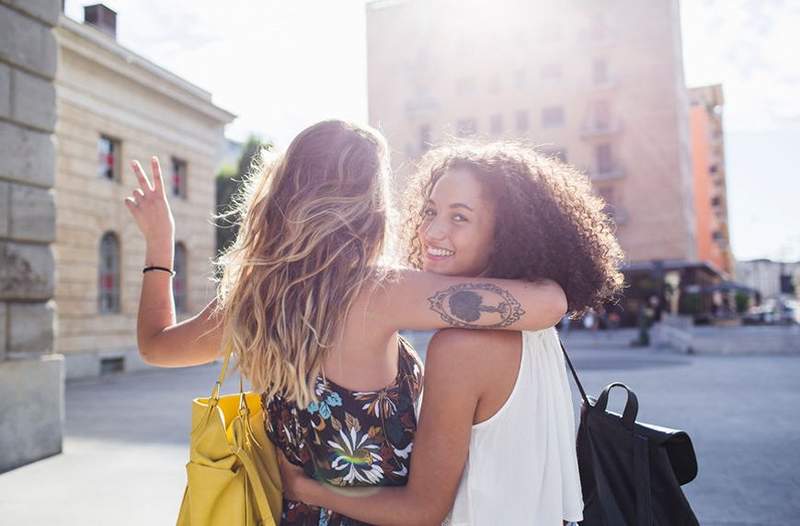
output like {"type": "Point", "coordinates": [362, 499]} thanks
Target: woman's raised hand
{"type": "Point", "coordinates": [149, 206]}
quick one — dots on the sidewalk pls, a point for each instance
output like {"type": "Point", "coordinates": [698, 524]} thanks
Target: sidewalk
{"type": "Point", "coordinates": [126, 438]}
{"type": "Point", "coordinates": [125, 448]}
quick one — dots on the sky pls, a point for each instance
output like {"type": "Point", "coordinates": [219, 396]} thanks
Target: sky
{"type": "Point", "coordinates": [281, 65]}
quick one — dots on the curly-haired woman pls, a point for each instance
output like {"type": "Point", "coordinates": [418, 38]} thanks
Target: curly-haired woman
{"type": "Point", "coordinates": [495, 442]}
{"type": "Point", "coordinates": [313, 317]}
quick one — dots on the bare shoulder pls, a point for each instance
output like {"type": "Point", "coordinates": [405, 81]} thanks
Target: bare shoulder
{"type": "Point", "coordinates": [472, 341]}
{"type": "Point", "coordinates": [471, 351]}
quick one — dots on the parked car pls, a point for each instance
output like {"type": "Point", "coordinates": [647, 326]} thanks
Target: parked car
{"type": "Point", "coordinates": [772, 312]}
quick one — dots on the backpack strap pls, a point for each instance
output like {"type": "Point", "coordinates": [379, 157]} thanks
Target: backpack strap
{"type": "Point", "coordinates": [574, 374]}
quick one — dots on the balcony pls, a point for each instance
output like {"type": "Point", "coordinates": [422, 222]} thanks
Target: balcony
{"type": "Point", "coordinates": [607, 174]}
{"type": "Point", "coordinates": [600, 129]}
{"type": "Point", "coordinates": [605, 84]}
{"type": "Point", "coordinates": [421, 105]}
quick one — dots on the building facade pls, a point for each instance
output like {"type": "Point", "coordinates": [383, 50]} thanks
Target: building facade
{"type": "Point", "coordinates": [600, 85]}
{"type": "Point", "coordinates": [773, 279]}
{"type": "Point", "coordinates": [115, 106]}
{"type": "Point", "coordinates": [708, 167]}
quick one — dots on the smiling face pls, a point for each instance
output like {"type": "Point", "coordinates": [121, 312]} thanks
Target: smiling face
{"type": "Point", "coordinates": [457, 231]}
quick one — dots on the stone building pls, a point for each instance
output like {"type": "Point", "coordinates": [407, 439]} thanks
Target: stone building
{"type": "Point", "coordinates": [31, 375]}
{"type": "Point", "coordinates": [708, 166]}
{"type": "Point", "coordinates": [598, 84]}
{"type": "Point", "coordinates": [115, 106]}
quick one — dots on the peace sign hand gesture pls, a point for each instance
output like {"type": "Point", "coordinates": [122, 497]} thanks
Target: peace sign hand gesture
{"type": "Point", "coordinates": [149, 206]}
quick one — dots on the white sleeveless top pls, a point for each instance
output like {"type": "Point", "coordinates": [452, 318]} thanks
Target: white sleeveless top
{"type": "Point", "coordinates": [522, 467]}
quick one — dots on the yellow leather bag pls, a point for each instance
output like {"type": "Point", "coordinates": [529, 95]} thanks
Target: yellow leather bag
{"type": "Point", "coordinates": [232, 475]}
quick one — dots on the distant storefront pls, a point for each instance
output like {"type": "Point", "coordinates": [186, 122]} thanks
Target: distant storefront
{"type": "Point", "coordinates": [695, 289]}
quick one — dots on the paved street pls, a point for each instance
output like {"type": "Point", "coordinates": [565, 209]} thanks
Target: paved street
{"type": "Point", "coordinates": [126, 438]}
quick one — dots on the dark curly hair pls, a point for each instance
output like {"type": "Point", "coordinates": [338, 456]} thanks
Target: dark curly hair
{"type": "Point", "coordinates": [549, 223]}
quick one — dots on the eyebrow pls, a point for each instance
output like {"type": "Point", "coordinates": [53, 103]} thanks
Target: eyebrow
{"type": "Point", "coordinates": [454, 205]}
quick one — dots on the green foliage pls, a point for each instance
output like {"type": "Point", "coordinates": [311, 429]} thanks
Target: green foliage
{"type": "Point", "coordinates": [690, 303]}
{"type": "Point", "coordinates": [229, 183]}
{"type": "Point", "coordinates": [742, 302]}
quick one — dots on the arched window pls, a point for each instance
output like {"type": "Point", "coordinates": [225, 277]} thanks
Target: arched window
{"type": "Point", "coordinates": [108, 276]}
{"type": "Point", "coordinates": [179, 280]}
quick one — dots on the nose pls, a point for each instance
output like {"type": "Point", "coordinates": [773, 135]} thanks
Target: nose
{"type": "Point", "coordinates": [434, 231]}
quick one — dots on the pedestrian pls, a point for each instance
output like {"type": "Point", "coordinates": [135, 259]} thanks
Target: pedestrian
{"type": "Point", "coordinates": [312, 316]}
{"type": "Point", "coordinates": [496, 441]}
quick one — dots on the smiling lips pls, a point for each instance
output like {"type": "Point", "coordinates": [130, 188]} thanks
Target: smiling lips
{"type": "Point", "coordinates": [438, 253]}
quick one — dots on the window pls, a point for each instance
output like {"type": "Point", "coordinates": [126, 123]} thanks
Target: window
{"type": "Point", "coordinates": [523, 121]}
{"type": "Point", "coordinates": [600, 71]}
{"type": "Point", "coordinates": [495, 86]}
{"type": "Point", "coordinates": [108, 276]}
{"type": "Point", "coordinates": [466, 127]}
{"type": "Point", "coordinates": [465, 85]}
{"type": "Point", "coordinates": [551, 71]}
{"type": "Point", "coordinates": [602, 115]}
{"type": "Point", "coordinates": [425, 138]}
{"type": "Point", "coordinates": [496, 124]}
{"type": "Point", "coordinates": [108, 151]}
{"type": "Point", "coordinates": [179, 280]}
{"type": "Point", "coordinates": [552, 117]}
{"type": "Point", "coordinates": [607, 193]}
{"type": "Point", "coordinates": [609, 196]}
{"type": "Point", "coordinates": [519, 78]}
{"type": "Point", "coordinates": [713, 168]}
{"type": "Point", "coordinates": [603, 160]}
{"type": "Point", "coordinates": [179, 172]}
{"type": "Point", "coordinates": [598, 27]}
{"type": "Point", "coordinates": [716, 201]}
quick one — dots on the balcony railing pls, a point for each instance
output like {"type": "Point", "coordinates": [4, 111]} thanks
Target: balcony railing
{"type": "Point", "coordinates": [615, 172]}
{"type": "Point", "coordinates": [421, 105]}
{"type": "Point", "coordinates": [600, 129]}
{"type": "Point", "coordinates": [605, 84]}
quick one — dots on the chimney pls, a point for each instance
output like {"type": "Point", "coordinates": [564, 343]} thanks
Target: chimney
{"type": "Point", "coordinates": [102, 18]}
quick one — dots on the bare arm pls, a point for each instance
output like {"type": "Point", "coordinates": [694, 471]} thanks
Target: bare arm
{"type": "Point", "coordinates": [161, 341]}
{"type": "Point", "coordinates": [164, 343]}
{"type": "Point", "coordinates": [452, 390]}
{"type": "Point", "coordinates": [422, 300]}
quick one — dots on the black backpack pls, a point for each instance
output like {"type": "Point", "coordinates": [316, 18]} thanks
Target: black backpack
{"type": "Point", "coordinates": [631, 472]}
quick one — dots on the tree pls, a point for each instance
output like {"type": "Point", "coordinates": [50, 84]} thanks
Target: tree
{"type": "Point", "coordinates": [229, 183]}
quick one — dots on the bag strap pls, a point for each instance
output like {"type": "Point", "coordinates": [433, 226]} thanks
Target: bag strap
{"type": "Point", "coordinates": [217, 386]}
{"type": "Point", "coordinates": [574, 374]}
{"type": "Point", "coordinates": [241, 434]}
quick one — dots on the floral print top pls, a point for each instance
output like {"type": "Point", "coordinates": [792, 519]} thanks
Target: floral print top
{"type": "Point", "coordinates": [348, 438]}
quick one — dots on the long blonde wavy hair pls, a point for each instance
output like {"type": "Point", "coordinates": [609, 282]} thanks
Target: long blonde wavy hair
{"type": "Point", "coordinates": [312, 225]}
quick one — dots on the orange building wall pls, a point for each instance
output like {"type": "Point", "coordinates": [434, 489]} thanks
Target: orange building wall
{"type": "Point", "coordinates": [707, 250]}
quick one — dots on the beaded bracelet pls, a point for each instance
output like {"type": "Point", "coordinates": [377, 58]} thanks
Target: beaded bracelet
{"type": "Point", "coordinates": [172, 272]}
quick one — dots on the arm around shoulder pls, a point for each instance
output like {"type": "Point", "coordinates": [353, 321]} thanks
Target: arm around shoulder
{"type": "Point", "coordinates": [422, 300]}
{"type": "Point", "coordinates": [452, 389]}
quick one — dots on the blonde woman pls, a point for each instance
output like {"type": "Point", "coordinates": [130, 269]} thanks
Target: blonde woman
{"type": "Point", "coordinates": [312, 316]}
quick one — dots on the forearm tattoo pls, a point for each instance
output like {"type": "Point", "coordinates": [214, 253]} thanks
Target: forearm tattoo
{"type": "Point", "coordinates": [476, 305]}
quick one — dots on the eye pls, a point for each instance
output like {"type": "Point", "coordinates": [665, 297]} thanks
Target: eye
{"type": "Point", "coordinates": [428, 212]}
{"type": "Point", "coordinates": [459, 218]}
